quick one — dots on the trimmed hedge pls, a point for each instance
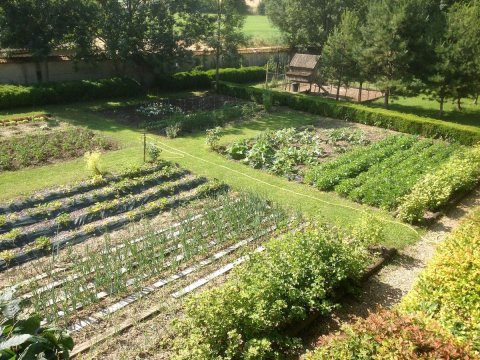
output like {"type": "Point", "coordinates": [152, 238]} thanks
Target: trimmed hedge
{"type": "Point", "coordinates": [12, 96]}
{"type": "Point", "coordinates": [203, 79]}
{"type": "Point", "coordinates": [449, 289]}
{"type": "Point", "coordinates": [388, 119]}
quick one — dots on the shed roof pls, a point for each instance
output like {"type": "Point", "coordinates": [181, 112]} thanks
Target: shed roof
{"type": "Point", "coordinates": [305, 61]}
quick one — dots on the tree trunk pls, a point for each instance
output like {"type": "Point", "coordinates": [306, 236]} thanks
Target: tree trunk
{"type": "Point", "coordinates": [442, 101]}
{"type": "Point", "coordinates": [47, 71]}
{"type": "Point", "coordinates": [387, 97]}
{"type": "Point", "coordinates": [38, 71]}
{"type": "Point", "coordinates": [337, 97]}
{"type": "Point", "coordinates": [475, 102]}
{"type": "Point", "coordinates": [459, 104]}
{"type": "Point", "coordinates": [360, 92]}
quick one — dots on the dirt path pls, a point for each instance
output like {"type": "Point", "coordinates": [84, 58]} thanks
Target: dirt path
{"type": "Point", "coordinates": [394, 281]}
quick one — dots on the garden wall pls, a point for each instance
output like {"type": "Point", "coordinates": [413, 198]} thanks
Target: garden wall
{"type": "Point", "coordinates": [407, 123]}
{"type": "Point", "coordinates": [22, 70]}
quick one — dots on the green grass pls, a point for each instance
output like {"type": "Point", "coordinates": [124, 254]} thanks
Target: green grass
{"type": "Point", "coordinates": [420, 105]}
{"type": "Point", "coordinates": [192, 153]}
{"type": "Point", "coordinates": [261, 31]}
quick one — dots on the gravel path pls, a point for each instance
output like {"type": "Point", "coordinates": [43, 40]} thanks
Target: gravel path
{"type": "Point", "coordinates": [395, 280]}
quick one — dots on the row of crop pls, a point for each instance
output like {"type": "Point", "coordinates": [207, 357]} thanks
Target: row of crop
{"type": "Point", "coordinates": [250, 315]}
{"type": "Point", "coordinates": [25, 120]}
{"type": "Point", "coordinates": [438, 319]}
{"type": "Point", "coordinates": [385, 183]}
{"type": "Point", "coordinates": [179, 123]}
{"type": "Point", "coordinates": [388, 119]}
{"type": "Point", "coordinates": [41, 248]}
{"type": "Point", "coordinates": [65, 192]}
{"type": "Point", "coordinates": [327, 176]}
{"type": "Point", "coordinates": [50, 210]}
{"type": "Point", "coordinates": [20, 237]}
{"type": "Point", "coordinates": [41, 148]}
{"type": "Point", "coordinates": [126, 269]}
{"type": "Point", "coordinates": [457, 176]}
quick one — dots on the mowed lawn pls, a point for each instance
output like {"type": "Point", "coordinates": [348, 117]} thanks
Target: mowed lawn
{"type": "Point", "coordinates": [261, 31]}
{"type": "Point", "coordinates": [191, 152]}
{"type": "Point", "coordinates": [422, 106]}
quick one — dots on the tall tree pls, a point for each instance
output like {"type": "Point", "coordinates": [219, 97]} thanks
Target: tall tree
{"type": "Point", "coordinates": [341, 55]}
{"type": "Point", "coordinates": [40, 26]}
{"type": "Point", "coordinates": [386, 53]}
{"type": "Point", "coordinates": [306, 24]}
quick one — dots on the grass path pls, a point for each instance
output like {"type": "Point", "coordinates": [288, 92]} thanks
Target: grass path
{"type": "Point", "coordinates": [191, 153]}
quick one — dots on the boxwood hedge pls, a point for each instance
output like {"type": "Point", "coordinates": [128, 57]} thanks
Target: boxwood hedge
{"type": "Point", "coordinates": [203, 79]}
{"type": "Point", "coordinates": [388, 119]}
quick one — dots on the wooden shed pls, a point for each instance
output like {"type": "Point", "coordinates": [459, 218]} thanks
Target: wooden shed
{"type": "Point", "coordinates": [303, 69]}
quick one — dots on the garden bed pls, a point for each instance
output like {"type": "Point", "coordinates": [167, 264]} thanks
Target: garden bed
{"type": "Point", "coordinates": [33, 231]}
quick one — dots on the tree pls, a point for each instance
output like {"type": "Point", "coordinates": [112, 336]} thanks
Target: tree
{"type": "Point", "coordinates": [386, 53]}
{"type": "Point", "coordinates": [341, 55]}
{"type": "Point", "coordinates": [40, 26]}
{"type": "Point", "coordinates": [306, 24]}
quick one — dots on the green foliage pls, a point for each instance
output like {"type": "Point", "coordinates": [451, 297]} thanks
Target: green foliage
{"type": "Point", "coordinates": [25, 338]}
{"type": "Point", "coordinates": [350, 165]}
{"type": "Point", "coordinates": [267, 101]}
{"type": "Point", "coordinates": [246, 317]}
{"type": "Point", "coordinates": [203, 79]}
{"type": "Point", "coordinates": [391, 335]}
{"type": "Point", "coordinates": [12, 96]}
{"type": "Point", "coordinates": [153, 152]}
{"type": "Point", "coordinates": [92, 162]}
{"type": "Point", "coordinates": [448, 289]}
{"type": "Point", "coordinates": [393, 120]}
{"type": "Point", "coordinates": [173, 129]}
{"type": "Point", "coordinates": [213, 137]}
{"type": "Point", "coordinates": [386, 182]}
{"type": "Point", "coordinates": [41, 148]}
{"type": "Point", "coordinates": [460, 173]}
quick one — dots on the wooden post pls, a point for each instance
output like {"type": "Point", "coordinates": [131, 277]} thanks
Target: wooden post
{"type": "Point", "coordinates": [144, 147]}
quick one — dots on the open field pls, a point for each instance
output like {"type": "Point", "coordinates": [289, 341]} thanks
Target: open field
{"type": "Point", "coordinates": [261, 32]}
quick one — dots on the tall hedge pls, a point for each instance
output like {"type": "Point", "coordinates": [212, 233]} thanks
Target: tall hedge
{"type": "Point", "coordinates": [203, 79]}
{"type": "Point", "coordinates": [12, 96]}
{"type": "Point", "coordinates": [388, 119]}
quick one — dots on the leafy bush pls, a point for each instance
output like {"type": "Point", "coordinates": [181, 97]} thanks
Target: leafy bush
{"type": "Point", "coordinates": [388, 119]}
{"type": "Point", "coordinates": [213, 137]}
{"type": "Point", "coordinates": [41, 148]}
{"type": "Point", "coordinates": [391, 335]}
{"type": "Point", "coordinates": [63, 92]}
{"type": "Point", "coordinates": [460, 173]}
{"type": "Point", "coordinates": [92, 161]}
{"type": "Point", "coordinates": [203, 79]}
{"type": "Point", "coordinates": [25, 338]}
{"type": "Point", "coordinates": [153, 152]}
{"type": "Point", "coordinates": [448, 290]}
{"type": "Point", "coordinates": [247, 317]}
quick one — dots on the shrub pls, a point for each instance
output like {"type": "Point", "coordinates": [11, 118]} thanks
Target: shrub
{"type": "Point", "coordinates": [92, 160]}
{"type": "Point", "coordinates": [391, 335]}
{"type": "Point", "coordinates": [267, 101]}
{"type": "Point", "coordinates": [247, 317]}
{"type": "Point", "coordinates": [388, 119]}
{"type": "Point", "coordinates": [448, 290]}
{"type": "Point", "coordinates": [174, 129]}
{"type": "Point", "coordinates": [460, 173]}
{"type": "Point", "coordinates": [63, 92]}
{"type": "Point", "coordinates": [213, 137]}
{"type": "Point", "coordinates": [153, 152]}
